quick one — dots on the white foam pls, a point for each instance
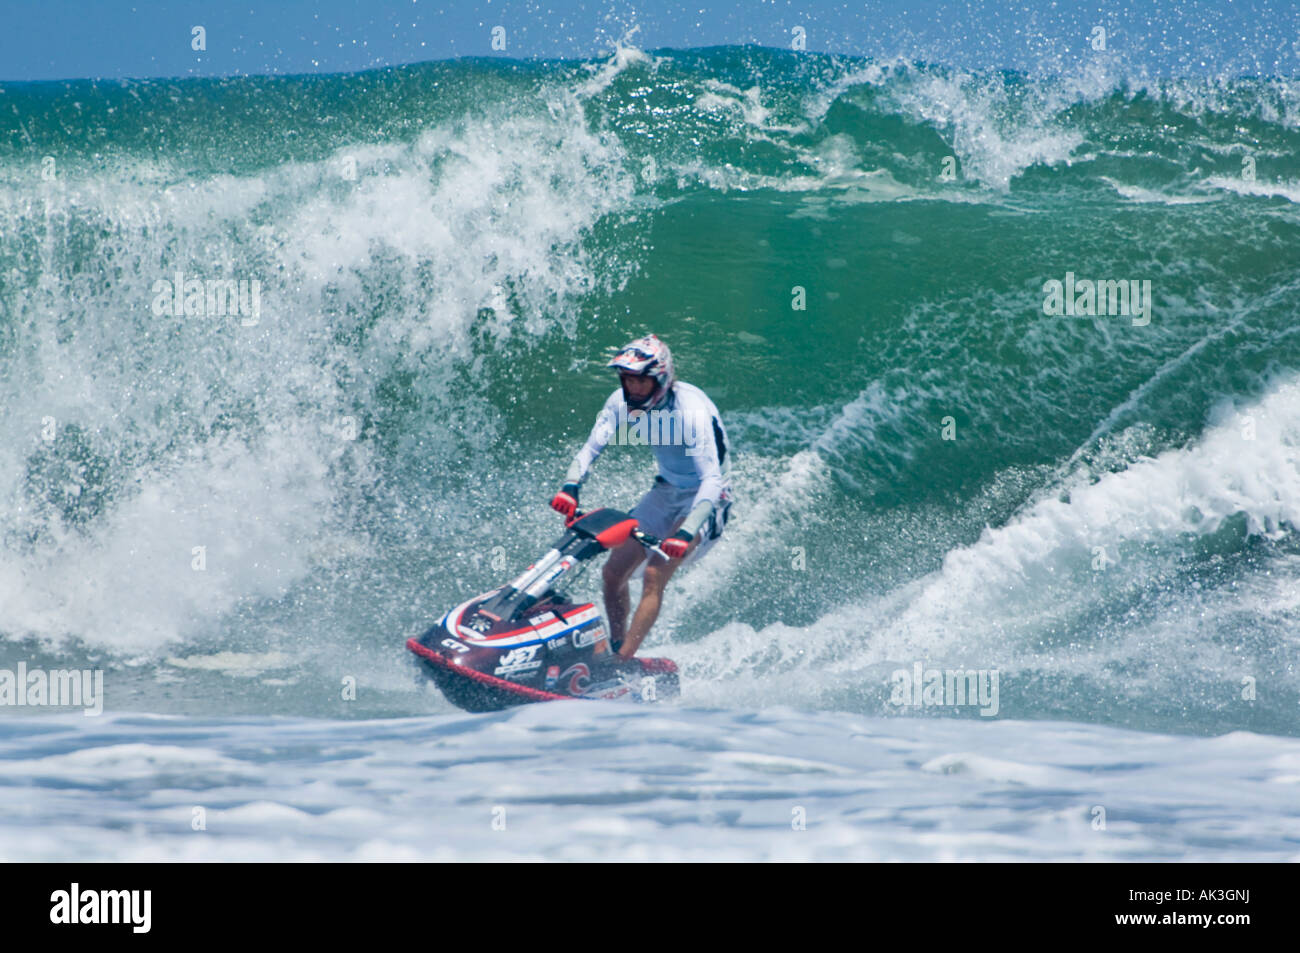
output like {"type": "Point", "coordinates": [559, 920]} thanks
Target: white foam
{"type": "Point", "coordinates": [991, 602]}
{"type": "Point", "coordinates": [997, 769]}
{"type": "Point", "coordinates": [621, 57]}
{"type": "Point", "coordinates": [121, 762]}
{"type": "Point", "coordinates": [723, 97]}
{"type": "Point", "coordinates": [1138, 194]}
{"type": "Point", "coordinates": [217, 435]}
{"type": "Point", "coordinates": [183, 548]}
{"type": "Point", "coordinates": [246, 664]}
{"type": "Point", "coordinates": [993, 147]}
{"type": "Point", "coordinates": [1187, 491]}
{"type": "Point", "coordinates": [655, 784]}
{"type": "Point", "coordinates": [1286, 190]}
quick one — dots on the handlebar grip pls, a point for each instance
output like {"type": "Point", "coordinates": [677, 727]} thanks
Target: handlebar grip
{"type": "Point", "coordinates": [645, 539]}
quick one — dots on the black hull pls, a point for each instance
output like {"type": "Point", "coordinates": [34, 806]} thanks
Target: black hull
{"type": "Point", "coordinates": [470, 695]}
{"type": "Point", "coordinates": [468, 688]}
{"type": "Point", "coordinates": [526, 642]}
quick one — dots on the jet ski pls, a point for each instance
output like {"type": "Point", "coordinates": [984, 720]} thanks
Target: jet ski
{"type": "Point", "coordinates": [527, 641]}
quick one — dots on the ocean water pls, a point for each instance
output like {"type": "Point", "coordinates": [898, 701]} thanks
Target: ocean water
{"type": "Point", "coordinates": [239, 518]}
{"type": "Point", "coordinates": [578, 781]}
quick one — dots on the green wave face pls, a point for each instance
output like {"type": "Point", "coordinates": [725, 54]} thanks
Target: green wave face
{"type": "Point", "coordinates": [854, 259]}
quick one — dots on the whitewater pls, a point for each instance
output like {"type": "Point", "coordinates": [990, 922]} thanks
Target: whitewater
{"type": "Point", "coordinates": [238, 519]}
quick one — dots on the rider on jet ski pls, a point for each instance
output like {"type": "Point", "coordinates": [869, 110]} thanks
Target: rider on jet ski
{"type": "Point", "coordinates": [688, 504]}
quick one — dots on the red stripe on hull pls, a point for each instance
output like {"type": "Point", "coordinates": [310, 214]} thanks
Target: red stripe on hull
{"type": "Point", "coordinates": [523, 691]}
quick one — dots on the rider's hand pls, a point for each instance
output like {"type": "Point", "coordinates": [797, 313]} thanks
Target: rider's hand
{"type": "Point", "coordinates": [675, 545]}
{"type": "Point", "coordinates": [566, 501]}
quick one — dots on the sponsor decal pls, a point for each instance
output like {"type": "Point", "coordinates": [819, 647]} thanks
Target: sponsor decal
{"type": "Point", "coordinates": [578, 675]}
{"type": "Point", "coordinates": [588, 636]}
{"type": "Point", "coordinates": [556, 644]}
{"type": "Point", "coordinates": [563, 566]}
{"type": "Point", "coordinates": [518, 671]}
{"type": "Point", "coordinates": [519, 656]}
{"type": "Point", "coordinates": [455, 646]}
{"type": "Point", "coordinates": [552, 676]}
{"type": "Point", "coordinates": [518, 662]}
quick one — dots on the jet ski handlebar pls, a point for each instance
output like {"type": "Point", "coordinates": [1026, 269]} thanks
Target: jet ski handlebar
{"type": "Point", "coordinates": [648, 540]}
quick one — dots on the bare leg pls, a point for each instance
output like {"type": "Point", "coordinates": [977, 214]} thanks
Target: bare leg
{"type": "Point", "coordinates": [618, 570]}
{"type": "Point", "coordinates": [644, 619]}
{"type": "Point", "coordinates": [617, 602]}
{"type": "Point", "coordinates": [657, 575]}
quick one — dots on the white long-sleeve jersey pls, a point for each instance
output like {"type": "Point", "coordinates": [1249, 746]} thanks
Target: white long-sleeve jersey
{"type": "Point", "coordinates": [688, 439]}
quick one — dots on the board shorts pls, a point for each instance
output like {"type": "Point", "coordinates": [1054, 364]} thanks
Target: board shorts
{"type": "Point", "coordinates": [665, 504]}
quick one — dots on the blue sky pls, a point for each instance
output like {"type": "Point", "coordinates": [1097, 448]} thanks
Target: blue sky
{"type": "Point", "coordinates": [61, 39]}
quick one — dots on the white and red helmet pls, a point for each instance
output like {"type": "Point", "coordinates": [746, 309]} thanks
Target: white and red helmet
{"type": "Point", "coordinates": [646, 357]}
